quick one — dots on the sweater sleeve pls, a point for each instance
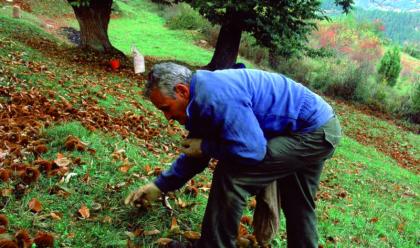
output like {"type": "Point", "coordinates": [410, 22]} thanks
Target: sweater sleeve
{"type": "Point", "coordinates": [182, 170]}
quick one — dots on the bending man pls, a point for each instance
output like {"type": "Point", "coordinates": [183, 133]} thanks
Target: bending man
{"type": "Point", "coordinates": [262, 127]}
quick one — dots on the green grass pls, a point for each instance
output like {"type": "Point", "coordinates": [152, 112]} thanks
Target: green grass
{"type": "Point", "coordinates": [365, 199]}
{"type": "Point", "coordinates": [145, 29]}
{"type": "Point", "coordinates": [375, 189]}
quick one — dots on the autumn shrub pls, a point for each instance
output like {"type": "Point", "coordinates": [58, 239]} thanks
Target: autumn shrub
{"type": "Point", "coordinates": [366, 90]}
{"type": "Point", "coordinates": [410, 107]}
{"type": "Point", "coordinates": [183, 16]}
{"type": "Point", "coordinates": [337, 77]}
{"type": "Point", "coordinates": [359, 42]}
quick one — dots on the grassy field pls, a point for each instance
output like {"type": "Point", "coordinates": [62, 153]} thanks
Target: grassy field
{"type": "Point", "coordinates": [142, 27]}
{"type": "Point", "coordinates": [369, 190]}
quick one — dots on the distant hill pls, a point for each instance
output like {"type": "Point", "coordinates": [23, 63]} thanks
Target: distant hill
{"type": "Point", "coordinates": [384, 5]}
{"type": "Point", "coordinates": [400, 19]}
{"type": "Point", "coordinates": [400, 27]}
{"type": "Point", "coordinates": [389, 5]}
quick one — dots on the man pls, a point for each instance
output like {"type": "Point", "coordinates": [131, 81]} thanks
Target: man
{"type": "Point", "coordinates": [262, 127]}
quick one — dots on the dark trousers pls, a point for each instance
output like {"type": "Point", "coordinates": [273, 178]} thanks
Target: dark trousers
{"type": "Point", "coordinates": [295, 162]}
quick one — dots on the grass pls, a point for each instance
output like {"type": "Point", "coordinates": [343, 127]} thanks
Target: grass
{"type": "Point", "coordinates": [374, 202]}
{"type": "Point", "coordinates": [365, 199]}
{"type": "Point", "coordinates": [146, 30]}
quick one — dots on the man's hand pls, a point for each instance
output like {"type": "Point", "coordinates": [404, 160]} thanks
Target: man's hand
{"type": "Point", "coordinates": [192, 147]}
{"type": "Point", "coordinates": [143, 196]}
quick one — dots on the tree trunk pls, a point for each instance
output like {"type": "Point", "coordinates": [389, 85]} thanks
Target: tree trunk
{"type": "Point", "coordinates": [227, 46]}
{"type": "Point", "coordinates": [93, 19]}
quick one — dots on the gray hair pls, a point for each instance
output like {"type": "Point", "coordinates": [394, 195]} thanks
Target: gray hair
{"type": "Point", "coordinates": [165, 76]}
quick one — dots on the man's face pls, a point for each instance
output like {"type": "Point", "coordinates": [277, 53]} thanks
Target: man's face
{"type": "Point", "coordinates": [172, 108]}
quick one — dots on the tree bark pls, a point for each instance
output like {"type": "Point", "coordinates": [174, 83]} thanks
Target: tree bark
{"type": "Point", "coordinates": [227, 46]}
{"type": "Point", "coordinates": [93, 19]}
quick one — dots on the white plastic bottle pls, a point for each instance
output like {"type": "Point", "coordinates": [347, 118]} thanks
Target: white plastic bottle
{"type": "Point", "coordinates": [138, 60]}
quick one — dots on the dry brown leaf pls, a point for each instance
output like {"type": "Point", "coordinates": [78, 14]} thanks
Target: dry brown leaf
{"type": "Point", "coordinates": [6, 192]}
{"type": "Point", "coordinates": [174, 226]}
{"type": "Point", "coordinates": [84, 212]}
{"type": "Point", "coordinates": [246, 220]}
{"type": "Point", "coordinates": [125, 168]}
{"type": "Point", "coordinates": [191, 235]}
{"type": "Point", "coordinates": [180, 203]}
{"type": "Point", "coordinates": [55, 215]}
{"type": "Point", "coordinates": [35, 205]}
{"type": "Point", "coordinates": [118, 154]}
{"type": "Point", "coordinates": [401, 227]}
{"type": "Point", "coordinates": [23, 239]}
{"type": "Point", "coordinates": [252, 204]}
{"type": "Point", "coordinates": [152, 232]}
{"type": "Point", "coordinates": [147, 168]}
{"type": "Point", "coordinates": [164, 241]}
{"type": "Point", "coordinates": [62, 161]}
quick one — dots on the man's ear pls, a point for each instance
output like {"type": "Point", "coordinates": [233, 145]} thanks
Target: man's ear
{"type": "Point", "coordinates": [183, 90]}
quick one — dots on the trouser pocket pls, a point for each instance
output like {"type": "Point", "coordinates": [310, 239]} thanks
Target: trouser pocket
{"type": "Point", "coordinates": [332, 132]}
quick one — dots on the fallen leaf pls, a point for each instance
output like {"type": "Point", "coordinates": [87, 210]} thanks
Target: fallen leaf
{"type": "Point", "coordinates": [3, 154]}
{"type": "Point", "coordinates": [23, 239]}
{"type": "Point", "coordinates": [84, 212]}
{"type": "Point", "coordinates": [401, 227]}
{"type": "Point", "coordinates": [39, 149]}
{"type": "Point", "coordinates": [242, 230]}
{"type": "Point", "coordinates": [152, 232]}
{"type": "Point", "coordinates": [246, 220]}
{"type": "Point", "coordinates": [164, 241]}
{"type": "Point", "coordinates": [35, 205]}
{"type": "Point", "coordinates": [5, 174]}
{"type": "Point", "coordinates": [191, 190]}
{"type": "Point", "coordinates": [125, 168]}
{"type": "Point", "coordinates": [55, 216]}
{"type": "Point", "coordinates": [6, 192]}
{"type": "Point", "coordinates": [4, 222]}
{"type": "Point", "coordinates": [62, 161]}
{"type": "Point", "coordinates": [174, 229]}
{"type": "Point", "coordinates": [191, 235]}
{"type": "Point", "coordinates": [147, 168]}
{"type": "Point", "coordinates": [252, 204]}
{"type": "Point", "coordinates": [180, 203]}
{"type": "Point", "coordinates": [118, 154]}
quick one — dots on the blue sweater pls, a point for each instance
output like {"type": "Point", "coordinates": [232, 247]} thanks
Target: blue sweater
{"type": "Point", "coordinates": [235, 112]}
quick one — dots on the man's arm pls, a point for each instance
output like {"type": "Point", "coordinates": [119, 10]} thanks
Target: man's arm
{"type": "Point", "coordinates": [182, 170]}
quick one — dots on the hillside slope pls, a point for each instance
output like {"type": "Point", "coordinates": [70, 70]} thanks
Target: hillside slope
{"type": "Point", "coordinates": [50, 91]}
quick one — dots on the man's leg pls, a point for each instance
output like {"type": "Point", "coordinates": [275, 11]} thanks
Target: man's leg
{"type": "Point", "coordinates": [297, 200]}
{"type": "Point", "coordinates": [223, 212]}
